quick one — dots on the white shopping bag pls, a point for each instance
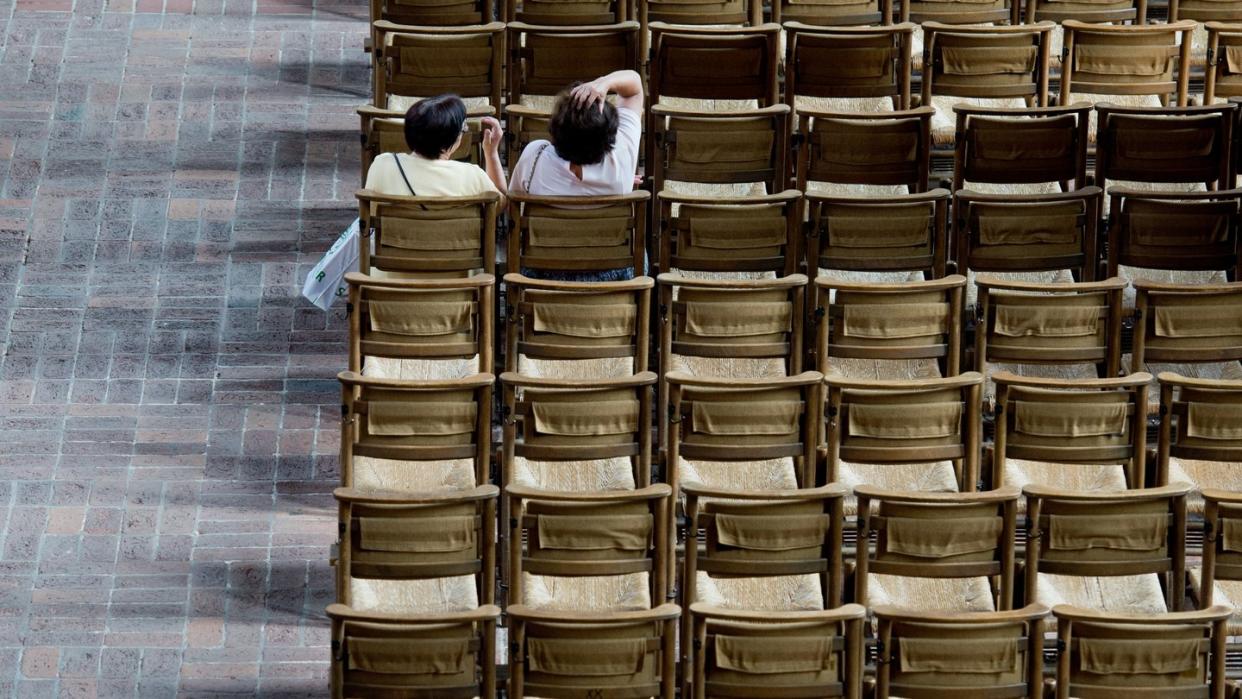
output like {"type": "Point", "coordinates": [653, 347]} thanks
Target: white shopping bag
{"type": "Point", "coordinates": [327, 280]}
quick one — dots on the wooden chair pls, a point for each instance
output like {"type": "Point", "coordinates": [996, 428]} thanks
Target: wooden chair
{"type": "Point", "coordinates": [1200, 438]}
{"type": "Point", "coordinates": [1133, 11]}
{"type": "Point", "coordinates": [728, 235]}
{"type": "Point", "coordinates": [583, 329]}
{"type": "Point", "coordinates": [1205, 11]}
{"type": "Point", "coordinates": [544, 59]}
{"type": "Point", "coordinates": [1187, 145]}
{"type": "Point", "coordinates": [452, 653]}
{"type": "Point", "coordinates": [577, 435]}
{"type": "Point", "coordinates": [698, 15]}
{"type": "Point", "coordinates": [986, 62]}
{"type": "Point", "coordinates": [392, 537]}
{"type": "Point", "coordinates": [790, 539]}
{"type": "Point", "coordinates": [743, 434]}
{"type": "Point", "coordinates": [719, 147]}
{"type": "Point", "coordinates": [1021, 146]}
{"type": "Point", "coordinates": [1008, 233]}
{"type": "Point", "coordinates": [889, 321]}
{"type": "Point", "coordinates": [383, 131]}
{"type": "Point", "coordinates": [939, 542]}
{"type": "Point", "coordinates": [1082, 435]}
{"type": "Point", "coordinates": [1175, 230]}
{"type": "Point", "coordinates": [431, 328]}
{"type": "Point", "coordinates": [887, 148]}
{"type": "Point", "coordinates": [1140, 59]}
{"type": "Point", "coordinates": [578, 234]}
{"type": "Point", "coordinates": [1223, 74]}
{"type": "Point", "coordinates": [609, 655]}
{"type": "Point", "coordinates": [441, 13]}
{"type": "Point", "coordinates": [904, 435]}
{"type": "Point", "coordinates": [764, 654]}
{"type": "Point", "coordinates": [845, 61]}
{"type": "Point", "coordinates": [1187, 323]}
{"type": "Point", "coordinates": [926, 654]}
{"type": "Point", "coordinates": [960, 11]}
{"type": "Point", "coordinates": [427, 236]}
{"type": "Point", "coordinates": [601, 552]}
{"type": "Point", "coordinates": [412, 62]}
{"type": "Point", "coordinates": [1132, 533]}
{"type": "Point", "coordinates": [1217, 583]}
{"type": "Point", "coordinates": [714, 63]}
{"type": "Point", "coordinates": [1049, 324]}
{"type": "Point", "coordinates": [899, 233]}
{"type": "Point", "coordinates": [415, 435]}
{"type": "Point", "coordinates": [1167, 655]}
{"type": "Point", "coordinates": [575, 13]}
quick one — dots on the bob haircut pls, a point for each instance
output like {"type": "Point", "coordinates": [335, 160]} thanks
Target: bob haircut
{"type": "Point", "coordinates": [433, 125]}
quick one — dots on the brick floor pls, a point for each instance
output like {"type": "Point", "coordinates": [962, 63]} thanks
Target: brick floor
{"type": "Point", "coordinates": [169, 170]}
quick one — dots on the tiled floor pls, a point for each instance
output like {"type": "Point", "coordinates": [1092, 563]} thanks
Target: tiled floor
{"type": "Point", "coordinates": [169, 169]}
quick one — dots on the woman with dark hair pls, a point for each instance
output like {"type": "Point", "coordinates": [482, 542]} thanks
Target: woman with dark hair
{"type": "Point", "coordinates": [592, 150]}
{"type": "Point", "coordinates": [433, 131]}
{"type": "Point", "coordinates": [593, 147]}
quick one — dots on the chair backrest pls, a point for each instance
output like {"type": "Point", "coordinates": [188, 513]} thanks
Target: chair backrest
{"type": "Point", "coordinates": [934, 653]}
{"type": "Point", "coordinates": [1134, 59]}
{"type": "Point", "coordinates": [1208, 12]}
{"type": "Point", "coordinates": [578, 421]}
{"type": "Point", "coordinates": [421, 536]}
{"type": "Point", "coordinates": [595, 534]}
{"type": "Point", "coordinates": [960, 11]}
{"type": "Point", "coordinates": [889, 321]}
{"type": "Point", "coordinates": [415, 656]}
{"type": "Point", "coordinates": [714, 63]}
{"type": "Point", "coordinates": [609, 656]}
{"type": "Point", "coordinates": [742, 318]}
{"type": "Point", "coordinates": [886, 148]}
{"type": "Point", "coordinates": [986, 62]}
{"type": "Point", "coordinates": [1053, 323]}
{"type": "Point", "coordinates": [1222, 550]}
{"type": "Point", "coordinates": [1223, 76]}
{"type": "Point", "coordinates": [578, 234]}
{"type": "Point", "coordinates": [699, 12]}
{"type": "Point", "coordinates": [424, 61]}
{"type": "Point", "coordinates": [544, 60]}
{"type": "Point", "coordinates": [905, 422]}
{"type": "Point", "coordinates": [1107, 534]}
{"type": "Point", "coordinates": [1200, 419]}
{"type": "Point", "coordinates": [444, 13]}
{"type": "Point", "coordinates": [1095, 11]}
{"type": "Point", "coordinates": [1028, 232]}
{"type": "Point", "coordinates": [1187, 144]}
{"type": "Point", "coordinates": [383, 131]}
{"type": "Point", "coordinates": [844, 62]}
{"type": "Point", "coordinates": [424, 421]}
{"type": "Point", "coordinates": [740, 653]}
{"type": "Point", "coordinates": [1175, 230]}
{"type": "Point", "coordinates": [427, 235]}
{"type": "Point", "coordinates": [937, 535]}
{"type": "Point", "coordinates": [1067, 421]}
{"type": "Point", "coordinates": [421, 319]}
{"type": "Point", "coordinates": [761, 534]}
{"type": "Point", "coordinates": [723, 147]}
{"type": "Point", "coordinates": [577, 320]}
{"type": "Point", "coordinates": [737, 234]}
{"type": "Point", "coordinates": [1170, 655]}
{"type": "Point", "coordinates": [899, 233]}
{"type": "Point", "coordinates": [1187, 323]}
{"type": "Point", "coordinates": [744, 420]}
{"type": "Point", "coordinates": [572, 13]}
{"type": "Point", "coordinates": [1021, 146]}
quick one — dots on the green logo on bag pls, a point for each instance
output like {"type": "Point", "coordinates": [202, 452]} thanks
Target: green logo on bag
{"type": "Point", "coordinates": [340, 291]}
{"type": "Point", "coordinates": [319, 277]}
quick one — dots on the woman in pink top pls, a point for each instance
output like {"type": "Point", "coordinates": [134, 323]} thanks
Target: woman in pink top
{"type": "Point", "coordinates": [593, 150]}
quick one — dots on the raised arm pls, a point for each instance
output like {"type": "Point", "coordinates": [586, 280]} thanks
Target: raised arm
{"type": "Point", "coordinates": [493, 134]}
{"type": "Point", "coordinates": [626, 83]}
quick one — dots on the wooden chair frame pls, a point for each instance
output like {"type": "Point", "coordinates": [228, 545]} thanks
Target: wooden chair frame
{"type": "Point", "coordinates": [899, 170]}
{"type": "Point", "coordinates": [807, 44]}
{"type": "Point", "coordinates": [381, 64]}
{"type": "Point", "coordinates": [968, 238]}
{"type": "Point", "coordinates": [819, 234]}
{"type": "Point", "coordinates": [1174, 408]}
{"type": "Point", "coordinates": [987, 38]}
{"type": "Point", "coordinates": [1179, 87]}
{"type": "Point", "coordinates": [675, 245]}
{"type": "Point", "coordinates": [1146, 313]}
{"type": "Point", "coordinates": [969, 164]}
{"type": "Point", "coordinates": [576, 207]}
{"type": "Point", "coordinates": [1120, 247]}
{"type": "Point", "coordinates": [371, 207]}
{"type": "Point", "coordinates": [1212, 168]}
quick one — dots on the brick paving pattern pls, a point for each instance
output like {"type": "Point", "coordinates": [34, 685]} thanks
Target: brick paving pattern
{"type": "Point", "coordinates": [169, 170]}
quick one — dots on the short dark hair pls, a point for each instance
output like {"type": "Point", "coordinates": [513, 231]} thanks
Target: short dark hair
{"type": "Point", "coordinates": [433, 125]}
{"type": "Point", "coordinates": [583, 136]}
